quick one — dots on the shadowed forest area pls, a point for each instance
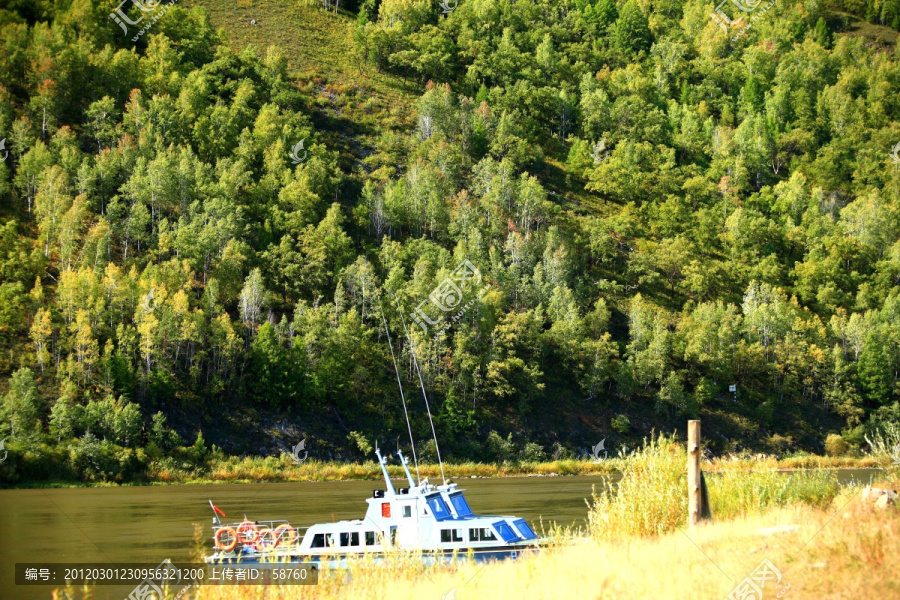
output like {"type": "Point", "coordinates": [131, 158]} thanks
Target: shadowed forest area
{"type": "Point", "coordinates": [582, 221]}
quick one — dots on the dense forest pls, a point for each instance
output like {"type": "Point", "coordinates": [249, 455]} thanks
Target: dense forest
{"type": "Point", "coordinates": [598, 219]}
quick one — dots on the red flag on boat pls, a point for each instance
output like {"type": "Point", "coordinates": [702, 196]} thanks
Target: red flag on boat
{"type": "Point", "coordinates": [216, 509]}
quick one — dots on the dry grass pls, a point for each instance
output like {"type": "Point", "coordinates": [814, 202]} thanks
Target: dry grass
{"type": "Point", "coordinates": [651, 496]}
{"type": "Point", "coordinates": [649, 499]}
{"type": "Point", "coordinates": [811, 461]}
{"type": "Point", "coordinates": [254, 469]}
{"type": "Point", "coordinates": [819, 553]}
{"type": "Point", "coordinates": [822, 539]}
{"type": "Point", "coordinates": [237, 470]}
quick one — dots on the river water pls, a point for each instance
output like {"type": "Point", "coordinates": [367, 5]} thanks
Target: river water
{"type": "Point", "coordinates": [150, 524]}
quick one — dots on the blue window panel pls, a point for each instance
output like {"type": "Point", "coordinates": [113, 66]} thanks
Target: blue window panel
{"type": "Point", "coordinates": [505, 532]}
{"type": "Point", "coordinates": [438, 507]}
{"type": "Point", "coordinates": [524, 530]}
{"type": "Point", "coordinates": [460, 505]}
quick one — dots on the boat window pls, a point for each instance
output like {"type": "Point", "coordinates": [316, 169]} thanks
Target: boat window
{"type": "Point", "coordinates": [473, 535]}
{"type": "Point", "coordinates": [354, 538]}
{"type": "Point", "coordinates": [451, 535]}
{"type": "Point", "coordinates": [407, 511]}
{"type": "Point", "coordinates": [350, 538]}
{"type": "Point", "coordinates": [393, 536]}
{"type": "Point", "coordinates": [524, 530]}
{"type": "Point", "coordinates": [370, 538]}
{"type": "Point", "coordinates": [438, 507]}
{"type": "Point", "coordinates": [460, 505]}
{"type": "Point", "coordinates": [505, 531]}
{"type": "Point", "coordinates": [345, 539]}
{"type": "Point", "coordinates": [318, 541]}
{"type": "Point", "coordinates": [481, 534]}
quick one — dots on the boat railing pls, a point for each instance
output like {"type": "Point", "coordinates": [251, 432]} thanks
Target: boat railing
{"type": "Point", "coordinates": [257, 535]}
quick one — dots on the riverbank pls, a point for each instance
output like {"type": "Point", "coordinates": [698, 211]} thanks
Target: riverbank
{"type": "Point", "coordinates": [285, 469]}
{"type": "Point", "coordinates": [813, 537]}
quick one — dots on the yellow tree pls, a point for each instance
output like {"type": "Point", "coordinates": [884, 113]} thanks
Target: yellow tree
{"type": "Point", "coordinates": [148, 325]}
{"type": "Point", "coordinates": [86, 347]}
{"type": "Point", "coordinates": [41, 330]}
{"type": "Point", "coordinates": [147, 329]}
{"type": "Point", "coordinates": [50, 205]}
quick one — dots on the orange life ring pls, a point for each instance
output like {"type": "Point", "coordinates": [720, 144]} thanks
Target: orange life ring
{"type": "Point", "coordinates": [285, 533]}
{"type": "Point", "coordinates": [223, 546]}
{"type": "Point", "coordinates": [248, 532]}
{"type": "Point", "coordinates": [265, 540]}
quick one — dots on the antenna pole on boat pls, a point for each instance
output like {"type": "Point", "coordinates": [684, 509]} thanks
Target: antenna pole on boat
{"type": "Point", "coordinates": [405, 463]}
{"type": "Point", "coordinates": [402, 397]}
{"type": "Point", "coordinates": [412, 350]}
{"type": "Point", "coordinates": [383, 462]}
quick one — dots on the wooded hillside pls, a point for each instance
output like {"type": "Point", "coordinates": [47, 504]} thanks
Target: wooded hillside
{"type": "Point", "coordinates": [195, 236]}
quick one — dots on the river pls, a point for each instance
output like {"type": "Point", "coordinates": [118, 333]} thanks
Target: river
{"type": "Point", "coordinates": [152, 523]}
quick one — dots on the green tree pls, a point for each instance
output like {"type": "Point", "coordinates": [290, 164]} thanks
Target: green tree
{"type": "Point", "coordinates": [822, 34]}
{"type": "Point", "coordinates": [632, 33]}
{"type": "Point", "coordinates": [22, 405]}
{"type": "Point", "coordinates": [279, 379]}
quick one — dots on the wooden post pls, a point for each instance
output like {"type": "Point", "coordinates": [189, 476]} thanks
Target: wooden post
{"type": "Point", "coordinates": [693, 473]}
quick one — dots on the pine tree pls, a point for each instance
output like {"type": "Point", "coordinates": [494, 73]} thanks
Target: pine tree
{"type": "Point", "coordinates": [822, 34]}
{"type": "Point", "coordinates": [632, 34]}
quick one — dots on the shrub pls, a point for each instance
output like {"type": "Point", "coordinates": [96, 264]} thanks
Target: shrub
{"type": "Point", "coordinates": [362, 444]}
{"type": "Point", "coordinates": [532, 453]}
{"type": "Point", "coordinates": [780, 443]}
{"type": "Point", "coordinates": [835, 445]}
{"type": "Point", "coordinates": [498, 449]}
{"type": "Point", "coordinates": [428, 452]}
{"type": "Point", "coordinates": [198, 450]}
{"type": "Point", "coordinates": [91, 458]}
{"type": "Point", "coordinates": [621, 423]}
{"type": "Point", "coordinates": [560, 452]}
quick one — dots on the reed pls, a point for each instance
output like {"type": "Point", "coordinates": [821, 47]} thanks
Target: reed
{"type": "Point", "coordinates": [651, 497]}
{"type": "Point", "coordinates": [884, 445]}
{"type": "Point", "coordinates": [736, 493]}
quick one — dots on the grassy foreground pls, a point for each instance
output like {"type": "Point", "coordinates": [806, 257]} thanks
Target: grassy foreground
{"type": "Point", "coordinates": [638, 523]}
{"type": "Point", "coordinates": [818, 556]}
{"type": "Point", "coordinates": [823, 541]}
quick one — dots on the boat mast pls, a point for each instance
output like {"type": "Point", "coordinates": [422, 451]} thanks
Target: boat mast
{"type": "Point", "coordinates": [402, 397]}
{"type": "Point", "coordinates": [412, 350]}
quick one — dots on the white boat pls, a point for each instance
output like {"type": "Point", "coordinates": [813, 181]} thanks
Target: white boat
{"type": "Point", "coordinates": [433, 522]}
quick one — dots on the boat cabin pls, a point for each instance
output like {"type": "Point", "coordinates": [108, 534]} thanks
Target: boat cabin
{"type": "Point", "coordinates": [422, 516]}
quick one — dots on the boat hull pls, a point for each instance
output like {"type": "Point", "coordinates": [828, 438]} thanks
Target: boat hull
{"type": "Point", "coordinates": [344, 561]}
